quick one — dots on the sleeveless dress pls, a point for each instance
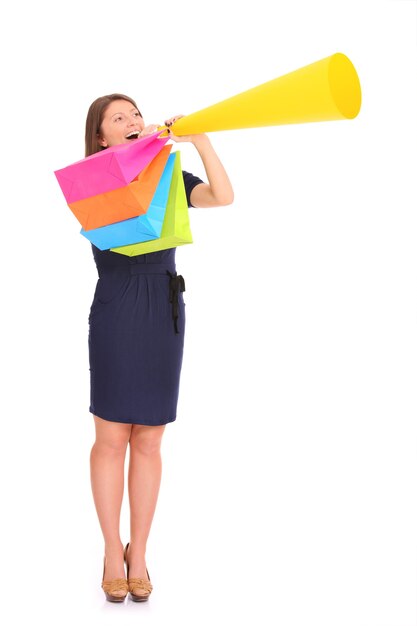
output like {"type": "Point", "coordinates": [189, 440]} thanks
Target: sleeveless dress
{"type": "Point", "coordinates": [136, 334]}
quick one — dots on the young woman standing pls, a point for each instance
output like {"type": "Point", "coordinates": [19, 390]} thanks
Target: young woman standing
{"type": "Point", "coordinates": [136, 340]}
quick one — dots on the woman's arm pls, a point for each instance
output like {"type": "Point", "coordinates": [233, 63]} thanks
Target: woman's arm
{"type": "Point", "coordinates": [218, 191]}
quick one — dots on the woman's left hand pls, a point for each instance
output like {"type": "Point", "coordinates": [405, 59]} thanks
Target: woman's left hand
{"type": "Point", "coordinates": [179, 139]}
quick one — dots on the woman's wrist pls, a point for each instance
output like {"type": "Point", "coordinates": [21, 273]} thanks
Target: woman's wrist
{"type": "Point", "coordinates": [200, 140]}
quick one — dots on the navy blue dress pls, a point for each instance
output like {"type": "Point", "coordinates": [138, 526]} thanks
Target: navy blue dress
{"type": "Point", "coordinates": [136, 335]}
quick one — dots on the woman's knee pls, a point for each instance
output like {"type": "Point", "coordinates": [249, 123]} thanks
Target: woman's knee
{"type": "Point", "coordinates": [146, 439]}
{"type": "Point", "coordinates": [111, 437]}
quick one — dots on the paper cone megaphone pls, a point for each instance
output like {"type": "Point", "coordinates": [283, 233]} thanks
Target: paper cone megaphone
{"type": "Point", "coordinates": [323, 91]}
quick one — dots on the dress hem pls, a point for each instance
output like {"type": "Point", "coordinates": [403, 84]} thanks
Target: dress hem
{"type": "Point", "coordinates": [121, 421]}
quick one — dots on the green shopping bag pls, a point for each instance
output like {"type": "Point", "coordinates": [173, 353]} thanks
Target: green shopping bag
{"type": "Point", "coordinates": [176, 227]}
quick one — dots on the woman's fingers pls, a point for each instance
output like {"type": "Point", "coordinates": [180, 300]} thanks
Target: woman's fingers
{"type": "Point", "coordinates": [148, 130]}
{"type": "Point", "coordinates": [171, 120]}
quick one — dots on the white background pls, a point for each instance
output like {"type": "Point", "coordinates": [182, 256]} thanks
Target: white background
{"type": "Point", "coordinates": [288, 493]}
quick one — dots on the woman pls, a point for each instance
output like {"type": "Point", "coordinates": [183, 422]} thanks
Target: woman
{"type": "Point", "coordinates": [135, 353]}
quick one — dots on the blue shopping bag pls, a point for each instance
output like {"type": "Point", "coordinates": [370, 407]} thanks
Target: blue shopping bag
{"type": "Point", "coordinates": [141, 228]}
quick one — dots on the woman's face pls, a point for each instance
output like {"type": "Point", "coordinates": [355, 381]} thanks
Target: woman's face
{"type": "Point", "coordinates": [120, 123]}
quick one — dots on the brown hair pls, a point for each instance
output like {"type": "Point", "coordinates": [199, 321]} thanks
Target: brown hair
{"type": "Point", "coordinates": [95, 117]}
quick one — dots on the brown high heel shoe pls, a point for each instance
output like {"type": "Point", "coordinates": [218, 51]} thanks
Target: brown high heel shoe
{"type": "Point", "coordinates": [139, 588]}
{"type": "Point", "coordinates": [116, 589]}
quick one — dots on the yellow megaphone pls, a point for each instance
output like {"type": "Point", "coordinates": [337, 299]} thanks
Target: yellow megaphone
{"type": "Point", "coordinates": [322, 91]}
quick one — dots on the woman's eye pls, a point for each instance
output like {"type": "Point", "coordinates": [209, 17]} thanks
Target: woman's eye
{"type": "Point", "coordinates": [137, 114]}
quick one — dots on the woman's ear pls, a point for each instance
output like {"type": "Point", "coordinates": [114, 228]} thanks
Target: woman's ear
{"type": "Point", "coordinates": [101, 141]}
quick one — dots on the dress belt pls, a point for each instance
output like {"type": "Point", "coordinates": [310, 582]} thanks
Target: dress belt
{"type": "Point", "coordinates": [176, 283]}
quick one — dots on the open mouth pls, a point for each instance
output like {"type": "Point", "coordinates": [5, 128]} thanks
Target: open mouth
{"type": "Point", "coordinates": [133, 135]}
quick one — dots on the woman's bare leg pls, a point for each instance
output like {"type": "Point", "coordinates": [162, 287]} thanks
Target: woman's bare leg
{"type": "Point", "coordinates": [144, 478]}
{"type": "Point", "coordinates": [107, 460]}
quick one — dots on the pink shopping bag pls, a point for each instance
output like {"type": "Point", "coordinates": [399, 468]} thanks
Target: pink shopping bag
{"type": "Point", "coordinates": [108, 169]}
